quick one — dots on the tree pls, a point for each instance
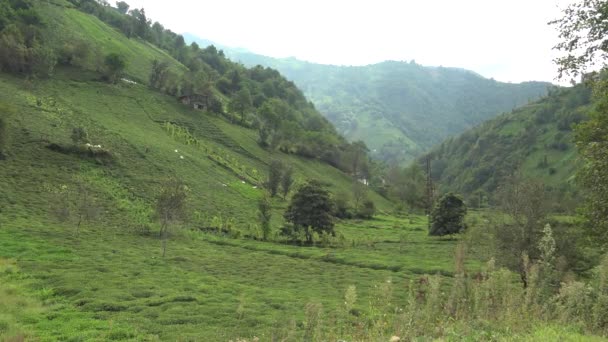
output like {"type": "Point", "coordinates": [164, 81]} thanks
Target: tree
{"type": "Point", "coordinates": [86, 210]}
{"type": "Point", "coordinates": [264, 215]}
{"type": "Point", "coordinates": [114, 66]}
{"type": "Point", "coordinates": [5, 112]}
{"type": "Point", "coordinates": [122, 6]}
{"type": "Point", "coordinates": [159, 74]}
{"type": "Point", "coordinates": [343, 208]}
{"type": "Point", "coordinates": [524, 201]}
{"type": "Point", "coordinates": [448, 215]}
{"type": "Point", "coordinates": [584, 40]}
{"type": "Point", "coordinates": [275, 173]}
{"type": "Point", "coordinates": [359, 194]}
{"type": "Point", "coordinates": [592, 142]}
{"type": "Point", "coordinates": [241, 103]}
{"type": "Point", "coordinates": [367, 209]}
{"type": "Point", "coordinates": [170, 207]}
{"type": "Point", "coordinates": [287, 181]}
{"type": "Point", "coordinates": [79, 135]}
{"type": "Point", "coordinates": [310, 210]}
{"type": "Point", "coordinates": [584, 37]}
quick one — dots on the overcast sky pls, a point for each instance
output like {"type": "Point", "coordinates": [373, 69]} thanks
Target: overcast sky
{"type": "Point", "coordinates": [507, 40]}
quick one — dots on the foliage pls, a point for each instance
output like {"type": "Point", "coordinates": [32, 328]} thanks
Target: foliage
{"type": "Point", "coordinates": [6, 111]}
{"type": "Point", "coordinates": [344, 209]}
{"type": "Point", "coordinates": [265, 215]}
{"type": "Point", "coordinates": [583, 40]}
{"type": "Point", "coordinates": [310, 210]}
{"type": "Point", "coordinates": [592, 143]}
{"type": "Point", "coordinates": [399, 109]}
{"type": "Point", "coordinates": [170, 207]}
{"type": "Point", "coordinates": [114, 66]}
{"type": "Point", "coordinates": [367, 209]}
{"type": "Point", "coordinates": [241, 103]}
{"type": "Point", "coordinates": [481, 158]}
{"type": "Point", "coordinates": [448, 215]}
{"type": "Point", "coordinates": [406, 185]}
{"type": "Point", "coordinates": [275, 174]}
{"type": "Point", "coordinates": [79, 135]}
{"type": "Point", "coordinates": [583, 37]}
{"type": "Point", "coordinates": [287, 181]}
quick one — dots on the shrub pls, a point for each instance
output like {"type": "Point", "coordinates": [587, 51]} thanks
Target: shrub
{"type": "Point", "coordinates": [367, 209]}
{"type": "Point", "coordinates": [114, 65]}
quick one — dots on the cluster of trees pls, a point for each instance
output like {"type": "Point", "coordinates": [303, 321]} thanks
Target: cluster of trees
{"type": "Point", "coordinates": [22, 47]}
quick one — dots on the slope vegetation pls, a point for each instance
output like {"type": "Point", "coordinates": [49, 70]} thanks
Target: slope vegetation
{"type": "Point", "coordinates": [398, 109]}
{"type": "Point", "coordinates": [535, 140]}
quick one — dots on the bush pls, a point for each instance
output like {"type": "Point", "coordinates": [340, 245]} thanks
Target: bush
{"type": "Point", "coordinates": [79, 136]}
{"type": "Point", "coordinates": [367, 210]}
{"type": "Point", "coordinates": [114, 64]}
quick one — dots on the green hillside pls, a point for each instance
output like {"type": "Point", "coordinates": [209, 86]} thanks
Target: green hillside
{"type": "Point", "coordinates": [535, 140]}
{"type": "Point", "coordinates": [398, 109]}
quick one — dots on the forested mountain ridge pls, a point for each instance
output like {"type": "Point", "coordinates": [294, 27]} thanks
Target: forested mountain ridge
{"type": "Point", "coordinates": [399, 109]}
{"type": "Point", "coordinates": [535, 141]}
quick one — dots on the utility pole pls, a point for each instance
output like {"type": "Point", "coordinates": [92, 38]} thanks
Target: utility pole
{"type": "Point", "coordinates": [429, 191]}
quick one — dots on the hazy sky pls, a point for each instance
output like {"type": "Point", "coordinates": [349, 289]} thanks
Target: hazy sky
{"type": "Point", "coordinates": [507, 40]}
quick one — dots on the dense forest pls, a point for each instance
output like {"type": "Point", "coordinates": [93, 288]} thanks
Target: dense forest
{"type": "Point", "coordinates": [399, 109]}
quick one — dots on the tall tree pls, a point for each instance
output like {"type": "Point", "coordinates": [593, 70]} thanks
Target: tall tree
{"type": "Point", "coordinates": [287, 181]}
{"type": "Point", "coordinates": [265, 215]}
{"type": "Point", "coordinates": [275, 173]}
{"type": "Point", "coordinates": [584, 42]}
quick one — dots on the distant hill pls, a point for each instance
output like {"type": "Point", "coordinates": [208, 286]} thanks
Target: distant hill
{"type": "Point", "coordinates": [536, 140]}
{"type": "Point", "coordinates": [399, 109]}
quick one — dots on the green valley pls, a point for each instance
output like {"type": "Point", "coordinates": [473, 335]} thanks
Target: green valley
{"type": "Point", "coordinates": [154, 190]}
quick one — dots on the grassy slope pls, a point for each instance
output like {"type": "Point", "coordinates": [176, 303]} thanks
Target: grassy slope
{"type": "Point", "coordinates": [71, 24]}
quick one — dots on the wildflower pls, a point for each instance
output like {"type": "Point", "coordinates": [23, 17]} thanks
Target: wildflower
{"type": "Point", "coordinates": [176, 151]}
{"type": "Point", "coordinates": [181, 157]}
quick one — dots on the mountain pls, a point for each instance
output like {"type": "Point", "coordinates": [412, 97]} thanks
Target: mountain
{"type": "Point", "coordinates": [535, 140]}
{"type": "Point", "coordinates": [399, 109]}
